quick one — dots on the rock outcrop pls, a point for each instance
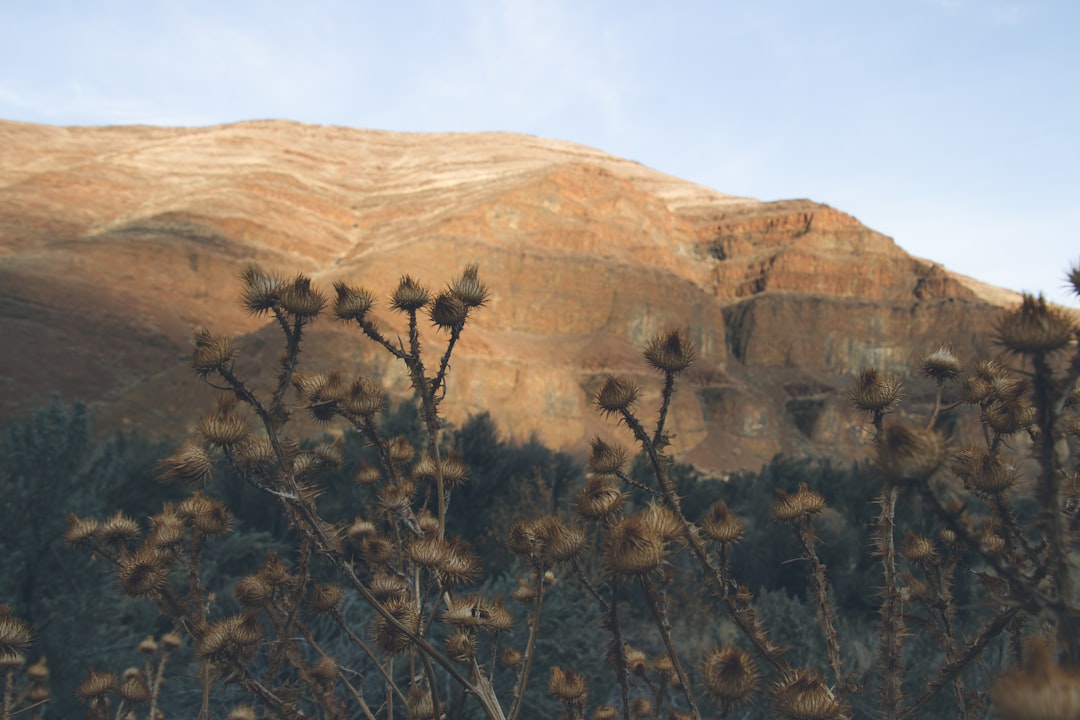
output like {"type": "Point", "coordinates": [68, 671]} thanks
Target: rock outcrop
{"type": "Point", "coordinates": [115, 243]}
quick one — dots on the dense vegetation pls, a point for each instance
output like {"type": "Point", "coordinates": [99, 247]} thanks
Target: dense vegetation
{"type": "Point", "coordinates": [402, 567]}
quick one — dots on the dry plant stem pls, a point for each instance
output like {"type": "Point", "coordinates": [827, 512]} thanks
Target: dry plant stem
{"type": "Point", "coordinates": [9, 692]}
{"type": "Point", "coordinates": [530, 647]}
{"type": "Point", "coordinates": [744, 618]}
{"type": "Point", "coordinates": [665, 403]}
{"type": "Point", "coordinates": [804, 531]}
{"type": "Point", "coordinates": [619, 650]}
{"type": "Point", "coordinates": [955, 666]}
{"type": "Point", "coordinates": [340, 620]}
{"type": "Point", "coordinates": [1049, 496]}
{"type": "Point", "coordinates": [892, 622]}
{"type": "Point", "coordinates": [207, 682]}
{"type": "Point", "coordinates": [659, 612]}
{"type": "Point", "coordinates": [288, 365]}
{"type": "Point", "coordinates": [155, 690]}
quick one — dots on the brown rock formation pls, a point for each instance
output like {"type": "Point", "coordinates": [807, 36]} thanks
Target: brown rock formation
{"type": "Point", "coordinates": [116, 242]}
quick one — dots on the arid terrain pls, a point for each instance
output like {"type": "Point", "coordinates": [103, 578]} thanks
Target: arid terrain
{"type": "Point", "coordinates": [116, 243]}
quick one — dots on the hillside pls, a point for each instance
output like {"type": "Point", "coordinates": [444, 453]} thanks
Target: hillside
{"type": "Point", "coordinates": [115, 243]}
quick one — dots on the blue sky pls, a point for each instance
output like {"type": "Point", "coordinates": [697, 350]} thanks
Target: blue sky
{"type": "Point", "coordinates": [951, 125]}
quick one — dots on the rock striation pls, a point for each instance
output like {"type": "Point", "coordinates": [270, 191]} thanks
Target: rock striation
{"type": "Point", "coordinates": [116, 242]}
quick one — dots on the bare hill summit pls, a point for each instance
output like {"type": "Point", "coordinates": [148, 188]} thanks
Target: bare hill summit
{"type": "Point", "coordinates": [115, 243]}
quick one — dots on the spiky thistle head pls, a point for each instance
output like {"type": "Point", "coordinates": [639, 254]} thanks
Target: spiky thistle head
{"type": "Point", "coordinates": [803, 695]}
{"type": "Point", "coordinates": [409, 296]}
{"type": "Point", "coordinates": [448, 312]}
{"type": "Point", "coordinates": [941, 365]}
{"type": "Point", "coordinates": [671, 351]}
{"type": "Point", "coordinates": [567, 685]}
{"type": "Point", "coordinates": [803, 503]}
{"type": "Point", "coordinates": [730, 674]}
{"type": "Point", "coordinates": [190, 463]}
{"type": "Point", "coordinates": [617, 394]}
{"type": "Point", "coordinates": [600, 498]}
{"type": "Point", "coordinates": [352, 303]}
{"type": "Point", "coordinates": [469, 289]}
{"type": "Point", "coordinates": [1035, 327]}
{"type": "Point", "coordinates": [633, 547]}
{"type": "Point", "coordinates": [211, 353]}
{"type": "Point", "coordinates": [301, 300]}
{"type": "Point", "coordinates": [606, 458]}
{"type": "Point", "coordinates": [262, 290]}
{"type": "Point", "coordinates": [874, 391]}
{"type": "Point", "coordinates": [907, 453]}
{"type": "Point", "coordinates": [720, 524]}
{"type": "Point", "coordinates": [1038, 688]}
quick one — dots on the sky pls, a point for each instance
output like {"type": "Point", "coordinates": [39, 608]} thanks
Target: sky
{"type": "Point", "coordinates": [952, 126]}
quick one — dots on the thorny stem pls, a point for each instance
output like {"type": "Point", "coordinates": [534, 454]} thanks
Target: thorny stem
{"type": "Point", "coordinates": [665, 403]}
{"type": "Point", "coordinates": [659, 613]}
{"type": "Point", "coordinates": [804, 531]}
{"type": "Point", "coordinates": [340, 620]}
{"type": "Point", "coordinates": [1049, 495]}
{"type": "Point", "coordinates": [530, 648]}
{"type": "Point", "coordinates": [619, 651]}
{"type": "Point", "coordinates": [892, 621]}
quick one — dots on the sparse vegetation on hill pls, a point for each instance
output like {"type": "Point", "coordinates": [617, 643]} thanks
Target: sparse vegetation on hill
{"type": "Point", "coordinates": [400, 567]}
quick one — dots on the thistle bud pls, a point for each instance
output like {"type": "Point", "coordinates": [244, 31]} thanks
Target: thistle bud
{"type": "Point", "coordinates": [39, 671]}
{"type": "Point", "coordinates": [918, 548]}
{"type": "Point", "coordinates": [119, 529]}
{"type": "Point", "coordinates": [1035, 327]}
{"type": "Point", "coordinates": [352, 303]}
{"type": "Point", "coordinates": [400, 449]}
{"type": "Point", "coordinates": [15, 634]}
{"type": "Point", "coordinates": [171, 640]}
{"type": "Point", "coordinates": [133, 687]}
{"type": "Point", "coordinates": [409, 296]}
{"type": "Point", "coordinates": [418, 704]}
{"type": "Point", "coordinates": [365, 397]}
{"type": "Point", "coordinates": [672, 351]}
{"type": "Point", "coordinates": [633, 548]}
{"type": "Point", "coordinates": [222, 430]}
{"type": "Point", "coordinates": [386, 587]}
{"type": "Point", "coordinates": [325, 670]}
{"type": "Point", "coordinates": [253, 590]}
{"type": "Point", "coordinates": [367, 474]}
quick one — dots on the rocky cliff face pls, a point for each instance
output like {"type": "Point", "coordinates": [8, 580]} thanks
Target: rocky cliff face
{"type": "Point", "coordinates": [116, 242]}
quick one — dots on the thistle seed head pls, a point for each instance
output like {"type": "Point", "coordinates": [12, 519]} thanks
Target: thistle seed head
{"type": "Point", "coordinates": [510, 657]}
{"type": "Point", "coordinates": [262, 291]}
{"type": "Point", "coordinates": [389, 638]}
{"type": "Point", "coordinates": [907, 453]}
{"type": "Point", "coordinates": [95, 686]}
{"type": "Point", "coordinates": [1038, 688]}
{"type": "Point", "coordinates": [918, 548]}
{"type": "Point", "coordinates": [803, 503]}
{"type": "Point", "coordinates": [672, 351]}
{"type": "Point", "coordinates": [941, 365]}
{"type": "Point", "coordinates": [721, 525]}
{"type": "Point", "coordinates": [617, 394]}
{"type": "Point", "coordinates": [1035, 327]}
{"type": "Point", "coordinates": [400, 449]}
{"type": "Point", "coordinates": [448, 311]}
{"type": "Point", "coordinates": [119, 529]}
{"type": "Point", "coordinates": [386, 587]}
{"type": "Point", "coordinates": [143, 573]}
{"type": "Point", "coordinates": [558, 542]}
{"type": "Point", "coordinates": [253, 591]}
{"type": "Point", "coordinates": [352, 303]}
{"type": "Point", "coordinates": [803, 695]}
{"type": "Point", "coordinates": [461, 646]}
{"type": "Point", "coordinates": [301, 300]}
{"type": "Point", "coordinates": [190, 464]}
{"type": "Point", "coordinates": [409, 296]}
{"type": "Point", "coordinates": [606, 459]}
{"type": "Point", "coordinates": [236, 637]}
{"type": "Point", "coordinates": [325, 598]}
{"type": "Point", "coordinates": [81, 530]}
{"type": "Point", "coordinates": [469, 289]}
{"type": "Point", "coordinates": [730, 674]}
{"type": "Point", "coordinates": [567, 685]}
{"type": "Point", "coordinates": [222, 429]}
{"type": "Point", "coordinates": [325, 670]}
{"type": "Point", "coordinates": [133, 687]}
{"type": "Point", "coordinates": [204, 513]}
{"type": "Point", "coordinates": [418, 704]}
{"type": "Point", "coordinates": [367, 474]}
{"type": "Point", "coordinates": [874, 391]}
{"type": "Point", "coordinates": [15, 634]}
{"type": "Point", "coordinates": [633, 547]}
{"type": "Point", "coordinates": [600, 498]}
{"type": "Point", "coordinates": [211, 353]}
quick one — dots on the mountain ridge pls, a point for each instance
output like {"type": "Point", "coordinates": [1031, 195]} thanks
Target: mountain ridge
{"type": "Point", "coordinates": [587, 256]}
